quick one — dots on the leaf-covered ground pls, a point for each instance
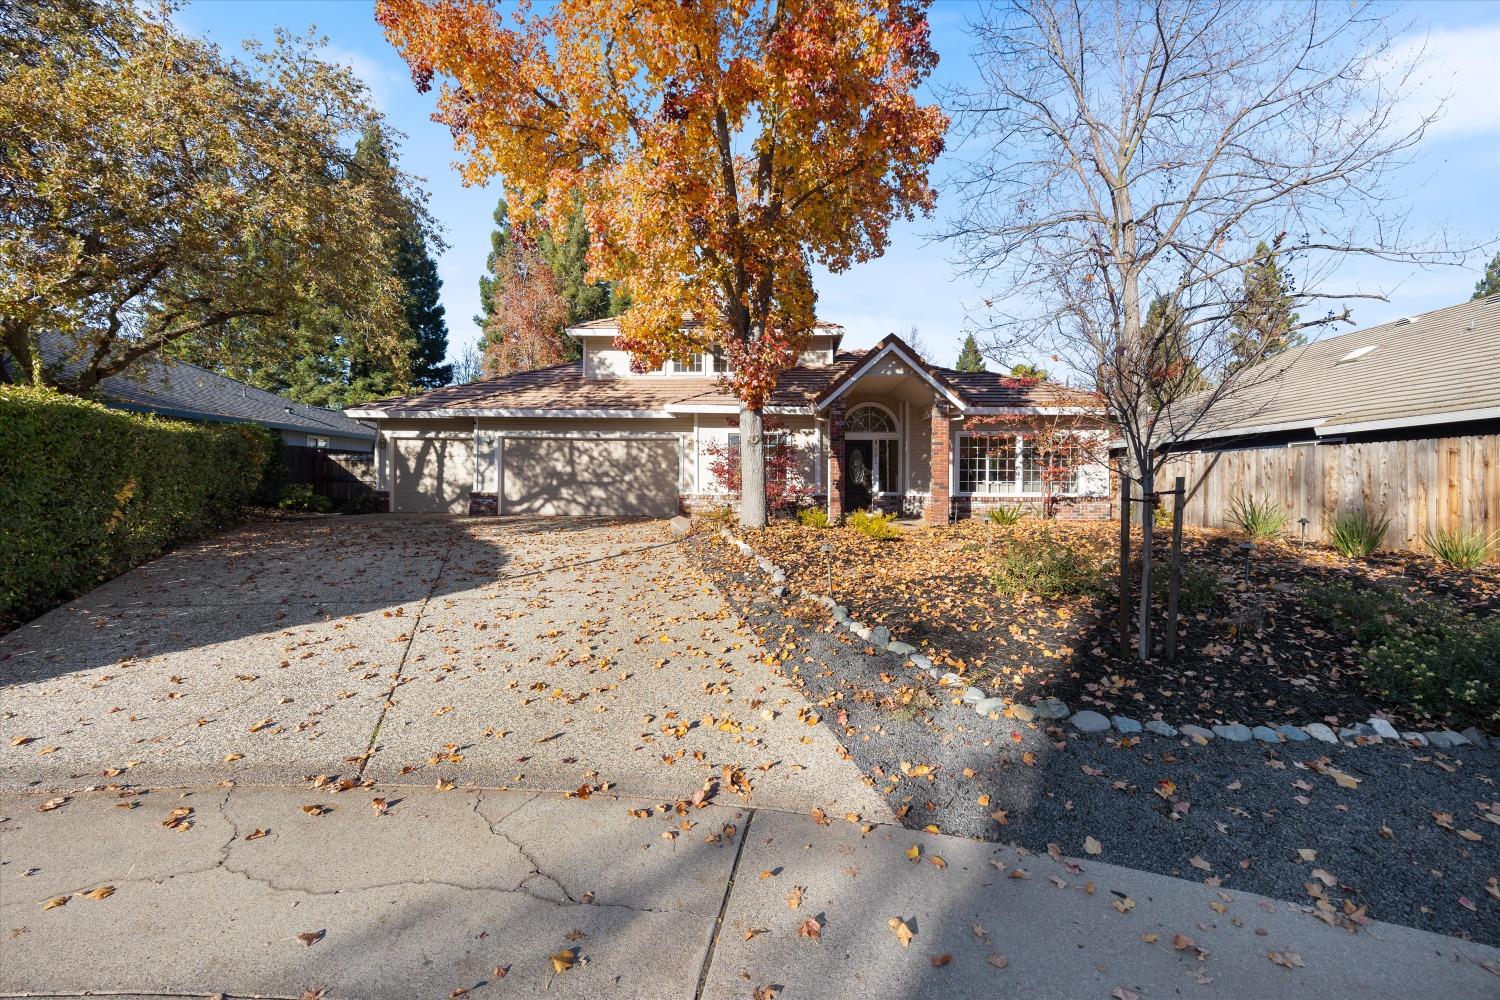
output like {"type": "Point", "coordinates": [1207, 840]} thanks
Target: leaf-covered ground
{"type": "Point", "coordinates": [1354, 833]}
{"type": "Point", "coordinates": [1254, 654]}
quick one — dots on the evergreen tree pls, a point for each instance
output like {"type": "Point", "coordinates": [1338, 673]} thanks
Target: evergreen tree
{"type": "Point", "coordinates": [969, 358]}
{"type": "Point", "coordinates": [1263, 321]}
{"type": "Point", "coordinates": [566, 256]}
{"type": "Point", "coordinates": [1175, 374]}
{"type": "Point", "coordinates": [1026, 370]}
{"type": "Point", "coordinates": [1490, 283]}
{"type": "Point", "coordinates": [424, 311]}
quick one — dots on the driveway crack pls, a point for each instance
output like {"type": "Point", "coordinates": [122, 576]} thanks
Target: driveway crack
{"type": "Point", "coordinates": [713, 941]}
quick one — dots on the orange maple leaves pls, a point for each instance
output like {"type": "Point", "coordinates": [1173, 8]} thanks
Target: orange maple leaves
{"type": "Point", "coordinates": [722, 148]}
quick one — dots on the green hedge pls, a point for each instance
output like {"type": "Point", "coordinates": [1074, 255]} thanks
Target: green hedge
{"type": "Point", "coordinates": [87, 492]}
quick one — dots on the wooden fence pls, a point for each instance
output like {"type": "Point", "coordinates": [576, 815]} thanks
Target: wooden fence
{"type": "Point", "coordinates": [337, 475]}
{"type": "Point", "coordinates": [1420, 485]}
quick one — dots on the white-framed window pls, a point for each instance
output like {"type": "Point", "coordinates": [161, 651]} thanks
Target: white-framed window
{"type": "Point", "coordinates": [987, 464]}
{"type": "Point", "coordinates": [1011, 465]}
{"type": "Point", "coordinates": [695, 365]}
{"type": "Point", "coordinates": [874, 423]}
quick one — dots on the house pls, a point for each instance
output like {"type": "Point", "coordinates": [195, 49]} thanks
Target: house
{"type": "Point", "coordinates": [159, 384]}
{"type": "Point", "coordinates": [877, 428]}
{"type": "Point", "coordinates": [1400, 420]}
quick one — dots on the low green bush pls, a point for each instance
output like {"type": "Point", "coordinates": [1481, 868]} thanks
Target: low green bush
{"type": "Point", "coordinates": [1356, 533]}
{"type": "Point", "coordinates": [1258, 520]}
{"type": "Point", "coordinates": [1426, 654]}
{"type": "Point", "coordinates": [1005, 515]}
{"type": "Point", "coordinates": [812, 517]}
{"type": "Point", "coordinates": [300, 496]}
{"type": "Point", "coordinates": [87, 492]}
{"type": "Point", "coordinates": [1461, 548]}
{"type": "Point", "coordinates": [1047, 566]}
{"type": "Point", "coordinates": [364, 503]}
{"type": "Point", "coordinates": [1197, 588]}
{"type": "Point", "coordinates": [876, 526]}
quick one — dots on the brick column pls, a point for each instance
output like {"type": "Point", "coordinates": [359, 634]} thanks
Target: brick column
{"type": "Point", "coordinates": [836, 461]}
{"type": "Point", "coordinates": [936, 509]}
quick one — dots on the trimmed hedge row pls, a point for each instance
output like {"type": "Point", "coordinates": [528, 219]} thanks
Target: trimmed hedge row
{"type": "Point", "coordinates": [87, 492]}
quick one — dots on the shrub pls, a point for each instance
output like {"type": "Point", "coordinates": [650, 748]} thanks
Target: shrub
{"type": "Point", "coordinates": [1047, 566]}
{"type": "Point", "coordinates": [1161, 516]}
{"type": "Point", "coordinates": [1258, 520]}
{"type": "Point", "coordinates": [1006, 515]}
{"type": "Point", "coordinates": [1356, 534]}
{"type": "Point", "coordinates": [1426, 654]}
{"type": "Point", "coordinates": [300, 496]}
{"type": "Point", "coordinates": [812, 517]}
{"type": "Point", "coordinates": [1461, 548]}
{"type": "Point", "coordinates": [87, 492]}
{"type": "Point", "coordinates": [1197, 590]}
{"type": "Point", "coordinates": [364, 503]}
{"type": "Point", "coordinates": [876, 526]}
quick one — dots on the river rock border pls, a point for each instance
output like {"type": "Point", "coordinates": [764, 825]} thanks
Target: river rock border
{"type": "Point", "coordinates": [1369, 733]}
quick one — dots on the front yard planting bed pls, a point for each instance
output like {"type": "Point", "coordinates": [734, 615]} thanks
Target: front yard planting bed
{"type": "Point", "coordinates": [1410, 842]}
{"type": "Point", "coordinates": [1028, 611]}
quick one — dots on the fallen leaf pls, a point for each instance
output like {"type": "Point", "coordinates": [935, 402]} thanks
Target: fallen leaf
{"type": "Point", "coordinates": [810, 928]}
{"type": "Point", "coordinates": [103, 892]}
{"type": "Point", "coordinates": [55, 902]}
{"type": "Point", "coordinates": [794, 898]}
{"type": "Point", "coordinates": [998, 961]}
{"type": "Point", "coordinates": [903, 933]}
{"type": "Point", "coordinates": [311, 938]}
{"type": "Point", "coordinates": [563, 960]}
{"type": "Point", "coordinates": [938, 961]}
{"type": "Point", "coordinates": [1092, 846]}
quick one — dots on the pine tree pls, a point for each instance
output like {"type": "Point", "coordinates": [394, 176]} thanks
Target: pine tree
{"type": "Point", "coordinates": [1490, 283]}
{"type": "Point", "coordinates": [424, 311]}
{"type": "Point", "coordinates": [1263, 321]}
{"type": "Point", "coordinates": [1175, 374]}
{"type": "Point", "coordinates": [499, 244]}
{"type": "Point", "coordinates": [969, 358]}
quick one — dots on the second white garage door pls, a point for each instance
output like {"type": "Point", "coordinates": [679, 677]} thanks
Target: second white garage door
{"type": "Point", "coordinates": [434, 475]}
{"type": "Point", "coordinates": [615, 477]}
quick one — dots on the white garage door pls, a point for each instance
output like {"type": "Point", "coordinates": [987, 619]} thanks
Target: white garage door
{"type": "Point", "coordinates": [434, 475]}
{"type": "Point", "coordinates": [617, 477]}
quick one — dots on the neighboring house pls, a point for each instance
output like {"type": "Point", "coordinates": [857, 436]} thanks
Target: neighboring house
{"type": "Point", "coordinates": [1401, 420]}
{"type": "Point", "coordinates": [157, 384]}
{"type": "Point", "coordinates": [876, 428]}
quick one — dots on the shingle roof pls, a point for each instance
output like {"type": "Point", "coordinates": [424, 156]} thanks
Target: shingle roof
{"type": "Point", "coordinates": [1423, 369]}
{"type": "Point", "coordinates": [158, 384]}
{"type": "Point", "coordinates": [564, 387]}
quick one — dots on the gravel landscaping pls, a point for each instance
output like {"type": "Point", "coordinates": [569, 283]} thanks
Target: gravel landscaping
{"type": "Point", "coordinates": [1382, 831]}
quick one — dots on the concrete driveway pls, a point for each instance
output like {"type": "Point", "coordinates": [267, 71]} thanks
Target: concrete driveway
{"type": "Point", "coordinates": [516, 653]}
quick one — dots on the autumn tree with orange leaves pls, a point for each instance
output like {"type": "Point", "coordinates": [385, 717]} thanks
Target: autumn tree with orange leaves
{"type": "Point", "coordinates": [722, 148]}
{"type": "Point", "coordinates": [524, 330]}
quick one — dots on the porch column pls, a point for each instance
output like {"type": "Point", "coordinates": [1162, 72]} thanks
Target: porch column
{"type": "Point", "coordinates": [836, 461]}
{"type": "Point", "coordinates": [936, 509]}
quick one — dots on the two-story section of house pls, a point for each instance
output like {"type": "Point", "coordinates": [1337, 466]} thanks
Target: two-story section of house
{"type": "Point", "coordinates": [880, 428]}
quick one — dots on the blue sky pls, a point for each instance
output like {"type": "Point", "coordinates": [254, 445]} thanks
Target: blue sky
{"type": "Point", "coordinates": [1456, 181]}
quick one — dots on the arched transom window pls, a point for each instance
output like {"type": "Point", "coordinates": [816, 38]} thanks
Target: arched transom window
{"type": "Point", "coordinates": [869, 419]}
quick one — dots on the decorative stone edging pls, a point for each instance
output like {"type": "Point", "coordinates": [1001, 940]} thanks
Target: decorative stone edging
{"type": "Point", "coordinates": [1088, 721]}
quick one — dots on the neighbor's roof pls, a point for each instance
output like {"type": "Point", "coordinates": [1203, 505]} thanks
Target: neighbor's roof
{"type": "Point", "coordinates": [564, 388]}
{"type": "Point", "coordinates": [1437, 367]}
{"type": "Point", "coordinates": [157, 384]}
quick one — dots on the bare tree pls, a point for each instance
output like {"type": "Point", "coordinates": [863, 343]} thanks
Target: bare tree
{"type": "Point", "coordinates": [1125, 153]}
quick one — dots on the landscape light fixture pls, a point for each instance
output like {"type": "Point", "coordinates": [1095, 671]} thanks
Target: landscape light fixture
{"type": "Point", "coordinates": [828, 554]}
{"type": "Point", "coordinates": [1304, 522]}
{"type": "Point", "coordinates": [1247, 548]}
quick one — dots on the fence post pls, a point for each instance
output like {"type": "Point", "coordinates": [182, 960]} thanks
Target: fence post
{"type": "Point", "coordinates": [1179, 491]}
{"type": "Point", "coordinates": [1124, 562]}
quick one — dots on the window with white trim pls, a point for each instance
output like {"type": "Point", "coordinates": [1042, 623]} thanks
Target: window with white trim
{"type": "Point", "coordinates": [987, 464]}
{"type": "Point", "coordinates": [695, 365]}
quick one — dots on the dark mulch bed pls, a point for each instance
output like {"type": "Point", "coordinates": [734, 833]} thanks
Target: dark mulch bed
{"type": "Point", "coordinates": [1255, 653]}
{"type": "Point", "coordinates": [1241, 815]}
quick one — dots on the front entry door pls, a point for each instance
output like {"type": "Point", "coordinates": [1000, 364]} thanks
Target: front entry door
{"type": "Point", "coordinates": [859, 474]}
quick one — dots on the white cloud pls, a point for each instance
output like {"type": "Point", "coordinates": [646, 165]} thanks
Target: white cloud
{"type": "Point", "coordinates": [378, 78]}
{"type": "Point", "coordinates": [1459, 69]}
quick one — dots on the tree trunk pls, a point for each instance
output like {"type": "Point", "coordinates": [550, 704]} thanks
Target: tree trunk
{"type": "Point", "coordinates": [752, 469]}
{"type": "Point", "coordinates": [1148, 524]}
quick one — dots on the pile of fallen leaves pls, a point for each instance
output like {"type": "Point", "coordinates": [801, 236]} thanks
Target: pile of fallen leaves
{"type": "Point", "coordinates": [1252, 653]}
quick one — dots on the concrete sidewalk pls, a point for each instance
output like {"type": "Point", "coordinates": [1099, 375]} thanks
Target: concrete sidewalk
{"type": "Point", "coordinates": [436, 891]}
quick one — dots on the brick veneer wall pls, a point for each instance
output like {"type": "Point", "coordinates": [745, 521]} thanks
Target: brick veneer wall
{"type": "Point", "coordinates": [836, 461]}
{"type": "Point", "coordinates": [936, 509]}
{"type": "Point", "coordinates": [484, 504]}
{"type": "Point", "coordinates": [1066, 509]}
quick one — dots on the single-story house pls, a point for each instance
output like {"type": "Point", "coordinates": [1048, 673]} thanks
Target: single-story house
{"type": "Point", "coordinates": [158, 384]}
{"type": "Point", "coordinates": [880, 428]}
{"type": "Point", "coordinates": [1401, 420]}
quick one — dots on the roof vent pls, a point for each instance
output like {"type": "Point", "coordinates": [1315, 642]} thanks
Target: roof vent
{"type": "Point", "coordinates": [1358, 353]}
{"type": "Point", "coordinates": [1405, 321]}
{"type": "Point", "coordinates": [1492, 299]}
